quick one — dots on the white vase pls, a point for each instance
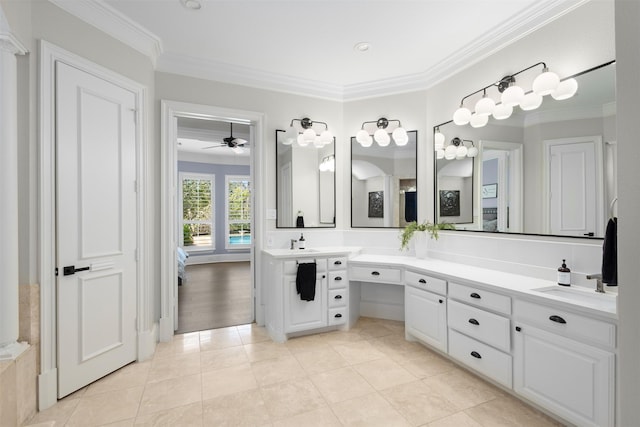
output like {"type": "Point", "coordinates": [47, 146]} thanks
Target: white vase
{"type": "Point", "coordinates": [420, 239]}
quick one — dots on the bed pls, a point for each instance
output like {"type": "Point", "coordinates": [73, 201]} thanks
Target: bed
{"type": "Point", "coordinates": [182, 261]}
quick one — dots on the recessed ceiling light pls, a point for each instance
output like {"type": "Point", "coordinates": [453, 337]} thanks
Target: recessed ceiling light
{"type": "Point", "coordinates": [362, 47]}
{"type": "Point", "coordinates": [191, 4]}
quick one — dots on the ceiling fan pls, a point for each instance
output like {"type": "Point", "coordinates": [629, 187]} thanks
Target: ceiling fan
{"type": "Point", "coordinates": [230, 141]}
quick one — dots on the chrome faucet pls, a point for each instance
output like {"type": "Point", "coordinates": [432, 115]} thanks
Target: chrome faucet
{"type": "Point", "coordinates": [598, 278]}
{"type": "Point", "coordinates": [293, 244]}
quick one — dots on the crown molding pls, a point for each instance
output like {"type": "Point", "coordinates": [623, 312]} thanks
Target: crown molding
{"type": "Point", "coordinates": [245, 76]}
{"type": "Point", "coordinates": [115, 24]}
{"type": "Point", "coordinates": [129, 32]}
{"type": "Point", "coordinates": [8, 42]}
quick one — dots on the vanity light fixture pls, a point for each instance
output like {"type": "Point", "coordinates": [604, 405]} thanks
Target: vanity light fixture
{"type": "Point", "coordinates": [457, 149]}
{"type": "Point", "coordinates": [328, 164]}
{"type": "Point", "coordinates": [546, 83]}
{"type": "Point", "coordinates": [382, 135]}
{"type": "Point", "coordinates": [307, 134]}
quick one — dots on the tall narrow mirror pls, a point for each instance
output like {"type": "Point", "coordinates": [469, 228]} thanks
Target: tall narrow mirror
{"type": "Point", "coordinates": [305, 185]}
{"type": "Point", "coordinates": [383, 184]}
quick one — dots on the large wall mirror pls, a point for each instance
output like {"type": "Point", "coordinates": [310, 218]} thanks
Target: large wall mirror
{"type": "Point", "coordinates": [383, 184]}
{"type": "Point", "coordinates": [550, 171]}
{"type": "Point", "coordinates": [305, 185]}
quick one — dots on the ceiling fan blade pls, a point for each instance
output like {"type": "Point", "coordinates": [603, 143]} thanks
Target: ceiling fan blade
{"type": "Point", "coordinates": [214, 146]}
{"type": "Point", "coordinates": [240, 141]}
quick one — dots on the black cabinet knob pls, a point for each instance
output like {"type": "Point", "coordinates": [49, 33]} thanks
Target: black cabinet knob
{"type": "Point", "coordinates": [440, 301]}
{"type": "Point", "coordinates": [475, 295]}
{"type": "Point", "coordinates": [338, 315]}
{"type": "Point", "coordinates": [557, 319]}
{"type": "Point", "coordinates": [375, 273]}
{"type": "Point", "coordinates": [474, 322]}
{"type": "Point", "coordinates": [338, 297]}
{"type": "Point", "coordinates": [338, 278]}
{"type": "Point", "coordinates": [476, 355]}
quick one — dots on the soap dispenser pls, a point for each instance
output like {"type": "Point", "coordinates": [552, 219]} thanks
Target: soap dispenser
{"type": "Point", "coordinates": [564, 275]}
{"type": "Point", "coordinates": [301, 242]}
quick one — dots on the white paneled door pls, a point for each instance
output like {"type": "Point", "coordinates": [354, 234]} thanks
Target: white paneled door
{"type": "Point", "coordinates": [96, 227]}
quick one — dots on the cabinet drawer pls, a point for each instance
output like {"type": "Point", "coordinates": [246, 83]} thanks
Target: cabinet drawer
{"type": "Point", "coordinates": [338, 297]}
{"type": "Point", "coordinates": [338, 279]}
{"type": "Point", "coordinates": [337, 263]}
{"type": "Point", "coordinates": [480, 297]}
{"type": "Point", "coordinates": [486, 327]}
{"type": "Point", "coordinates": [423, 281]}
{"type": "Point", "coordinates": [376, 274]}
{"type": "Point", "coordinates": [291, 267]}
{"type": "Point", "coordinates": [484, 359]}
{"type": "Point", "coordinates": [570, 324]}
{"type": "Point", "coordinates": [337, 316]}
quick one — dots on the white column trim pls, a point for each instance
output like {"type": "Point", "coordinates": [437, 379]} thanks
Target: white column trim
{"type": "Point", "coordinates": [9, 302]}
{"type": "Point", "coordinates": [49, 55]}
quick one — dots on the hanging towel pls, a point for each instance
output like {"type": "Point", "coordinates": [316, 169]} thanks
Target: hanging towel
{"type": "Point", "coordinates": [300, 221]}
{"type": "Point", "coordinates": [610, 254]}
{"type": "Point", "coordinates": [306, 281]}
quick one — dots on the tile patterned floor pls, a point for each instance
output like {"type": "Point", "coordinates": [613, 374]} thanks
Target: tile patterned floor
{"type": "Point", "coordinates": [236, 376]}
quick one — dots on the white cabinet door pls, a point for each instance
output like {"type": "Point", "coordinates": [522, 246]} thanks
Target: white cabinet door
{"type": "Point", "coordinates": [426, 317]}
{"type": "Point", "coordinates": [302, 315]}
{"type": "Point", "coordinates": [572, 379]}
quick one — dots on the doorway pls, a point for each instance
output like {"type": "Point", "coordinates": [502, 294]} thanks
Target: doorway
{"type": "Point", "coordinates": [171, 236]}
{"type": "Point", "coordinates": [214, 224]}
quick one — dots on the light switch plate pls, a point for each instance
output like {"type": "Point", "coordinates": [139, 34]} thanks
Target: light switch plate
{"type": "Point", "coordinates": [272, 214]}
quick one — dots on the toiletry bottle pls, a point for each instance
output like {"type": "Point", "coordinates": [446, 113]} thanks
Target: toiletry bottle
{"type": "Point", "coordinates": [301, 242]}
{"type": "Point", "coordinates": [564, 275]}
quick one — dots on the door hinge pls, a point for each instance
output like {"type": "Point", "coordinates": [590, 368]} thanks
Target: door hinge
{"type": "Point", "coordinates": [56, 271]}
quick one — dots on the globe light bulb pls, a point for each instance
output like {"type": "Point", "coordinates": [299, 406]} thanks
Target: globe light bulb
{"type": "Point", "coordinates": [290, 136]}
{"type": "Point", "coordinates": [400, 136]}
{"type": "Point", "coordinates": [309, 135]}
{"type": "Point", "coordinates": [438, 140]}
{"type": "Point", "coordinates": [502, 112]}
{"type": "Point", "coordinates": [450, 152]}
{"type": "Point", "coordinates": [382, 137]}
{"type": "Point", "coordinates": [472, 151]}
{"type": "Point", "coordinates": [317, 142]}
{"type": "Point", "coordinates": [512, 96]}
{"type": "Point", "coordinates": [546, 82]}
{"type": "Point", "coordinates": [363, 137]}
{"type": "Point", "coordinates": [485, 106]}
{"type": "Point", "coordinates": [478, 121]}
{"type": "Point", "coordinates": [565, 90]}
{"type": "Point", "coordinates": [302, 142]}
{"type": "Point", "coordinates": [440, 154]}
{"type": "Point", "coordinates": [461, 151]}
{"type": "Point", "coordinates": [367, 142]}
{"type": "Point", "coordinates": [531, 101]}
{"type": "Point", "coordinates": [462, 116]}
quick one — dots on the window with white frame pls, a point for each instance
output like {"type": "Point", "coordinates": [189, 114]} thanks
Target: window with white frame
{"type": "Point", "coordinates": [197, 211]}
{"type": "Point", "coordinates": [238, 212]}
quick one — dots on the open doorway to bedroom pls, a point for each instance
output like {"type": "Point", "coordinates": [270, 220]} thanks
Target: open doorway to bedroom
{"type": "Point", "coordinates": [214, 224]}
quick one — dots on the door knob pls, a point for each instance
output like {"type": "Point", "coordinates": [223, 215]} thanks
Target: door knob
{"type": "Point", "coordinates": [71, 269]}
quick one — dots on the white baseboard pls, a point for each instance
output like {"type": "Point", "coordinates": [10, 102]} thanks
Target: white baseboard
{"type": "Point", "coordinates": [165, 329]}
{"type": "Point", "coordinates": [147, 343]}
{"type": "Point", "coordinates": [206, 259]}
{"type": "Point", "coordinates": [47, 389]}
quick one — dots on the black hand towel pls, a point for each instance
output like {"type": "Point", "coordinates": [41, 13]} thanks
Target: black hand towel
{"type": "Point", "coordinates": [306, 281]}
{"type": "Point", "coordinates": [410, 206]}
{"type": "Point", "coordinates": [610, 254]}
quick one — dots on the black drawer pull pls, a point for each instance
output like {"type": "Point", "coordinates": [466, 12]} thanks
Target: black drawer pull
{"type": "Point", "coordinates": [557, 319]}
{"type": "Point", "coordinates": [422, 281]}
{"type": "Point", "coordinates": [338, 278]}
{"type": "Point", "coordinates": [440, 301]}
{"type": "Point", "coordinates": [338, 315]}
{"type": "Point", "coordinates": [476, 355]}
{"type": "Point", "coordinates": [474, 295]}
{"type": "Point", "coordinates": [338, 297]}
{"type": "Point", "coordinates": [337, 263]}
{"type": "Point", "coordinates": [474, 322]}
{"type": "Point", "coordinates": [323, 276]}
{"type": "Point", "coordinates": [375, 273]}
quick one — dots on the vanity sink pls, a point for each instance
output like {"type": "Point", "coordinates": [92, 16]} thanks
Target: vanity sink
{"type": "Point", "coordinates": [304, 251]}
{"type": "Point", "coordinates": [606, 301]}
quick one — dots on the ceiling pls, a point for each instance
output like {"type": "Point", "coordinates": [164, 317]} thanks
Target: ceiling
{"type": "Point", "coordinates": [307, 46]}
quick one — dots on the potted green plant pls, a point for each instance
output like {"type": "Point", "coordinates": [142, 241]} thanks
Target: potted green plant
{"type": "Point", "coordinates": [420, 231]}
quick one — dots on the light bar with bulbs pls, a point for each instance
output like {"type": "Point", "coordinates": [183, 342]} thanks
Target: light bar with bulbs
{"type": "Point", "coordinates": [383, 133]}
{"type": "Point", "coordinates": [307, 135]}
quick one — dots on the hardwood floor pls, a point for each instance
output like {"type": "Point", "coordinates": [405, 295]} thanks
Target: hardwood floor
{"type": "Point", "coordinates": [214, 296]}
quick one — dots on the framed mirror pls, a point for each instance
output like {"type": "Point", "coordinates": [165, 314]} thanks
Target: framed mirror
{"type": "Point", "coordinates": [383, 184]}
{"type": "Point", "coordinates": [305, 185]}
{"type": "Point", "coordinates": [549, 171]}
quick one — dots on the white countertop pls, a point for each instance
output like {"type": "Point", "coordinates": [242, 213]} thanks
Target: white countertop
{"type": "Point", "coordinates": [509, 283]}
{"type": "Point", "coordinates": [311, 252]}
